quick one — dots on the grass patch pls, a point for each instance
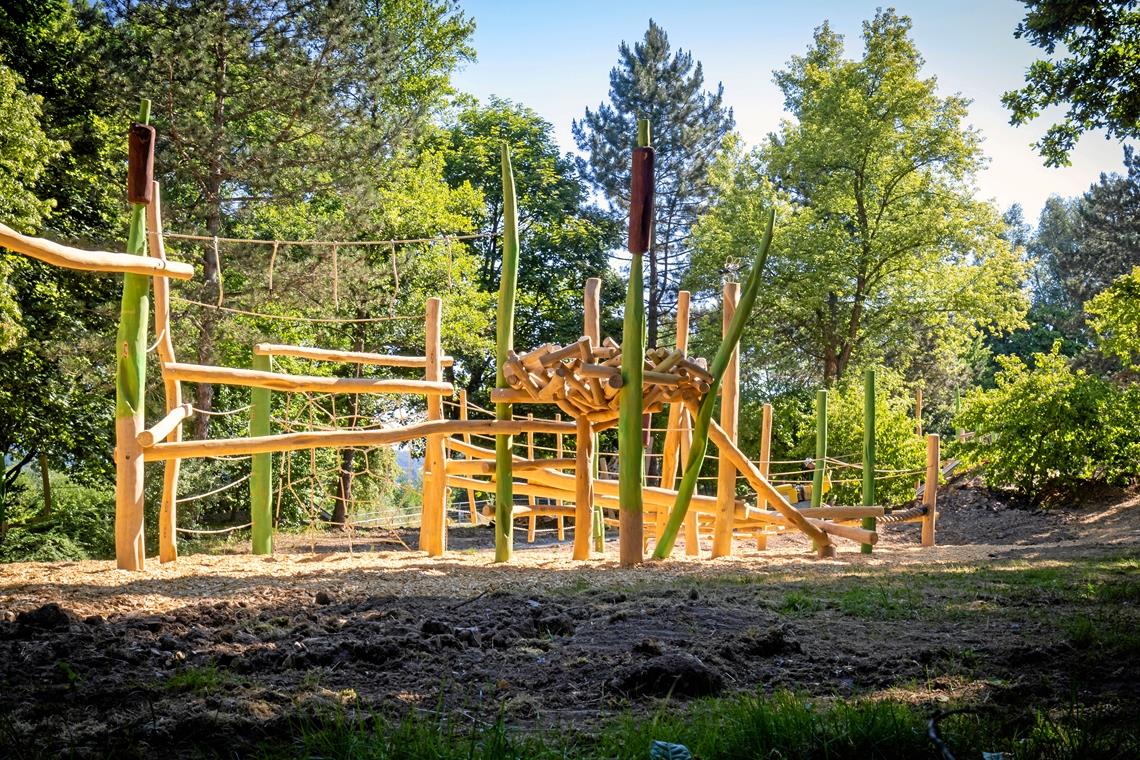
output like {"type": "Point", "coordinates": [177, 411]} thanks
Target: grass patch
{"type": "Point", "coordinates": [200, 680]}
{"type": "Point", "coordinates": [799, 603]}
{"type": "Point", "coordinates": [781, 726]}
{"type": "Point", "coordinates": [880, 601]}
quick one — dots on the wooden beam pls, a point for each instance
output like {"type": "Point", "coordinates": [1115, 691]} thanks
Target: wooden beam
{"type": "Point", "coordinates": [356, 357]}
{"type": "Point", "coordinates": [91, 261]}
{"type": "Point", "coordinates": [433, 519]}
{"type": "Point", "coordinates": [343, 438]}
{"type": "Point", "coordinates": [172, 389]}
{"type": "Point", "coordinates": [729, 415]}
{"type": "Point", "coordinates": [164, 427]}
{"type": "Point", "coordinates": [278, 381]}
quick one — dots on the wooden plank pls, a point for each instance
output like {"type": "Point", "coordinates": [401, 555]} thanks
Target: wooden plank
{"type": "Point", "coordinates": [278, 381]}
{"type": "Point", "coordinates": [91, 261]}
{"type": "Point", "coordinates": [355, 357]}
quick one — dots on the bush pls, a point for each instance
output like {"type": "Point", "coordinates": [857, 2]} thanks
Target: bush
{"type": "Point", "coordinates": [896, 445]}
{"type": "Point", "coordinates": [22, 545]}
{"type": "Point", "coordinates": [1048, 429]}
{"type": "Point", "coordinates": [81, 524]}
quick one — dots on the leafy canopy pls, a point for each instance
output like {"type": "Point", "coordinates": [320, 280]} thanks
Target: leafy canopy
{"type": "Point", "coordinates": [882, 241]}
{"type": "Point", "coordinates": [1096, 78]}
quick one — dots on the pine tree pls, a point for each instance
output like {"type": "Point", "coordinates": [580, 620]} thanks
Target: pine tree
{"type": "Point", "coordinates": [689, 125]}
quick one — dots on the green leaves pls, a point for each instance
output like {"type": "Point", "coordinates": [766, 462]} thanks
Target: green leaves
{"type": "Point", "coordinates": [1115, 315]}
{"type": "Point", "coordinates": [882, 243]}
{"type": "Point", "coordinates": [1096, 78]}
{"type": "Point", "coordinates": [1050, 427]}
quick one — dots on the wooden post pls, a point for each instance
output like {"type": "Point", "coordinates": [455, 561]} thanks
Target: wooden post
{"type": "Point", "coordinates": [504, 344]}
{"type": "Point", "coordinates": [261, 469]}
{"type": "Point", "coordinates": [532, 518]}
{"type": "Point", "coordinates": [765, 463]}
{"type": "Point", "coordinates": [729, 415]}
{"type": "Point", "coordinates": [130, 374]}
{"type": "Point", "coordinates": [918, 412]}
{"type": "Point", "coordinates": [677, 411]}
{"type": "Point", "coordinates": [820, 448]}
{"type": "Point", "coordinates": [467, 439]}
{"type": "Point", "coordinates": [868, 452]}
{"type": "Point", "coordinates": [172, 388]}
{"type": "Point", "coordinates": [930, 492]}
{"type": "Point", "coordinates": [559, 522]}
{"type": "Point", "coordinates": [588, 524]}
{"type": "Point", "coordinates": [433, 520]}
{"type": "Point", "coordinates": [584, 488]}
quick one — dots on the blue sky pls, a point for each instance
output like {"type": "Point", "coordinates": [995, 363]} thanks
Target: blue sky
{"type": "Point", "coordinates": [556, 57]}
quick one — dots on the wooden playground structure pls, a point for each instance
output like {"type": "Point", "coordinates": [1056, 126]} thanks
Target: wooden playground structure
{"type": "Point", "coordinates": [597, 383]}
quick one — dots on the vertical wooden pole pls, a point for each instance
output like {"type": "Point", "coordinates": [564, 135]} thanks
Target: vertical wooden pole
{"type": "Point", "coordinates": [467, 439]}
{"type": "Point", "coordinates": [692, 531]}
{"type": "Point", "coordinates": [172, 389]}
{"type": "Point", "coordinates": [584, 488]}
{"type": "Point", "coordinates": [631, 444]}
{"type": "Point", "coordinates": [433, 521]}
{"type": "Point", "coordinates": [504, 343]}
{"type": "Point", "coordinates": [930, 492]}
{"type": "Point", "coordinates": [820, 448]}
{"type": "Point", "coordinates": [729, 414]}
{"type": "Point", "coordinates": [261, 471]}
{"type": "Point", "coordinates": [868, 452]}
{"type": "Point", "coordinates": [588, 524]}
{"type": "Point", "coordinates": [559, 522]}
{"type": "Point", "coordinates": [130, 374]}
{"type": "Point", "coordinates": [532, 518]}
{"type": "Point", "coordinates": [765, 462]}
{"type": "Point", "coordinates": [669, 458]}
{"type": "Point", "coordinates": [918, 412]}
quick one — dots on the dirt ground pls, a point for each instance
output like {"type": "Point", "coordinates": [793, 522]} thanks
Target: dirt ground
{"type": "Point", "coordinates": [1027, 608]}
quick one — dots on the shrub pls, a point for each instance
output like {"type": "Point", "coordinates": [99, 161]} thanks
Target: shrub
{"type": "Point", "coordinates": [1050, 428]}
{"type": "Point", "coordinates": [81, 524]}
{"type": "Point", "coordinates": [22, 545]}
{"type": "Point", "coordinates": [896, 445]}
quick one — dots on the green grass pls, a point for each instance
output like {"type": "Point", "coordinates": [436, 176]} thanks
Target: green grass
{"type": "Point", "coordinates": [753, 726]}
{"type": "Point", "coordinates": [200, 680]}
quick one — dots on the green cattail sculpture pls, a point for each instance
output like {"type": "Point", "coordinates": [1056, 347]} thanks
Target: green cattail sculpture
{"type": "Point", "coordinates": [630, 435]}
{"type": "Point", "coordinates": [704, 417]}
{"type": "Point", "coordinates": [504, 343]}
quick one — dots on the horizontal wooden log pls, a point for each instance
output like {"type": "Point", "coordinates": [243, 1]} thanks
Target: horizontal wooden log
{"type": "Point", "coordinates": [345, 438]}
{"type": "Point", "coordinates": [164, 427]}
{"type": "Point", "coordinates": [842, 513]}
{"type": "Point", "coordinates": [355, 357]}
{"type": "Point", "coordinates": [858, 535]}
{"type": "Point", "coordinates": [580, 349]}
{"type": "Point", "coordinates": [487, 466]}
{"type": "Point", "coordinates": [278, 381]}
{"type": "Point", "coordinates": [510, 396]}
{"type": "Point", "coordinates": [599, 371]}
{"type": "Point", "coordinates": [650, 377]}
{"type": "Point", "coordinates": [91, 261]}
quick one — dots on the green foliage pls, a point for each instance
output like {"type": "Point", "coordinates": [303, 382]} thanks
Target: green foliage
{"type": "Point", "coordinates": [1115, 315]}
{"type": "Point", "coordinates": [883, 255]}
{"type": "Point", "coordinates": [1051, 427]}
{"type": "Point", "coordinates": [1095, 78]}
{"type": "Point", "coordinates": [564, 238]}
{"type": "Point", "coordinates": [749, 725]}
{"type": "Point", "coordinates": [689, 123]}
{"type": "Point", "coordinates": [896, 445]}
{"type": "Point", "coordinates": [81, 524]}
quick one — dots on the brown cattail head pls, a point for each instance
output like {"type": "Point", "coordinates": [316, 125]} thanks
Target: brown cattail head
{"type": "Point", "coordinates": [641, 201]}
{"type": "Point", "coordinates": [140, 164]}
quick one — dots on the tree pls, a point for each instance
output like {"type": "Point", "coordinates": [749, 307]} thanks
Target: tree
{"type": "Point", "coordinates": [51, 400]}
{"type": "Point", "coordinates": [565, 239]}
{"type": "Point", "coordinates": [689, 125]}
{"type": "Point", "coordinates": [61, 49]}
{"type": "Point", "coordinates": [1115, 315]}
{"type": "Point", "coordinates": [272, 101]}
{"type": "Point", "coordinates": [881, 243]}
{"type": "Point", "coordinates": [1096, 79]}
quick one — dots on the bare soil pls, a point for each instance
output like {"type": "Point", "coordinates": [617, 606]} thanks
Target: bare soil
{"type": "Point", "coordinates": [1018, 607]}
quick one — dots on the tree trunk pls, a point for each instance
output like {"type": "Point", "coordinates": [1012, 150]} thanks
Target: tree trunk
{"type": "Point", "coordinates": [204, 395]}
